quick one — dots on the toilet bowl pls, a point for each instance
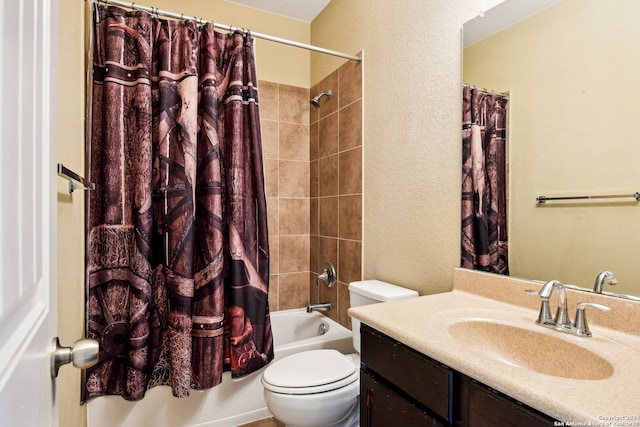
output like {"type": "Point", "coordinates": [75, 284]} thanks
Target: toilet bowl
{"type": "Point", "coordinates": [321, 388]}
{"type": "Point", "coordinates": [314, 388]}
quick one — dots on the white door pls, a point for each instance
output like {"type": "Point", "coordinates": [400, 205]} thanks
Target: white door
{"type": "Point", "coordinates": [27, 212]}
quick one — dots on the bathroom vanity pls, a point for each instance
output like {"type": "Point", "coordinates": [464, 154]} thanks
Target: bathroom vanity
{"type": "Point", "coordinates": [475, 357]}
{"type": "Point", "coordinates": [398, 383]}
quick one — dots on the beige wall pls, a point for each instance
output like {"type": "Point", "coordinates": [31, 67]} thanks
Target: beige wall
{"type": "Point", "coordinates": [572, 107]}
{"type": "Point", "coordinates": [411, 125]}
{"type": "Point", "coordinates": [275, 62]}
{"type": "Point", "coordinates": [70, 111]}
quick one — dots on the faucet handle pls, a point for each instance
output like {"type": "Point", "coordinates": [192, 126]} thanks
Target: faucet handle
{"type": "Point", "coordinates": [328, 275]}
{"type": "Point", "coordinates": [580, 322]}
{"type": "Point", "coordinates": [544, 317]}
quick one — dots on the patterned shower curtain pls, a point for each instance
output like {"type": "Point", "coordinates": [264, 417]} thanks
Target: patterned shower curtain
{"type": "Point", "coordinates": [177, 262]}
{"type": "Point", "coordinates": [484, 203]}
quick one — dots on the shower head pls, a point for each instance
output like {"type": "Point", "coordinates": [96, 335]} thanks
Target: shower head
{"type": "Point", "coordinates": [316, 99]}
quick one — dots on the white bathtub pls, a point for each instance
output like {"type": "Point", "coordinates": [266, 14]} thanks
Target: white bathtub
{"type": "Point", "coordinates": [235, 401]}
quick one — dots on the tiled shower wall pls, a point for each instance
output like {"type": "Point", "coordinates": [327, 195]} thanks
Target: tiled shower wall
{"type": "Point", "coordinates": [313, 169]}
{"type": "Point", "coordinates": [336, 185]}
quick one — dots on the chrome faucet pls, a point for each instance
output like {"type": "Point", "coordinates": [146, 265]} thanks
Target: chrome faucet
{"type": "Point", "coordinates": [325, 306]}
{"type": "Point", "coordinates": [562, 315]}
{"type": "Point", "coordinates": [606, 277]}
{"type": "Point", "coordinates": [561, 322]}
{"type": "Point", "coordinates": [580, 324]}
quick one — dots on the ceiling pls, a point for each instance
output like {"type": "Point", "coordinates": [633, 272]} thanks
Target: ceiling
{"type": "Point", "coordinates": [303, 10]}
{"type": "Point", "coordinates": [500, 17]}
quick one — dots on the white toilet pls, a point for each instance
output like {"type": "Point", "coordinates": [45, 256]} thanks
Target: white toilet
{"type": "Point", "coordinates": [321, 387]}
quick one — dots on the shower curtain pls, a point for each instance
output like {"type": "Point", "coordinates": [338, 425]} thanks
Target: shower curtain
{"type": "Point", "coordinates": [484, 243]}
{"type": "Point", "coordinates": [177, 254]}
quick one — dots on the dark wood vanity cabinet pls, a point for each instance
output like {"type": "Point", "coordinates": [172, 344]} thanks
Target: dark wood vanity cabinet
{"type": "Point", "coordinates": [383, 405]}
{"type": "Point", "coordinates": [402, 387]}
{"type": "Point", "coordinates": [399, 386]}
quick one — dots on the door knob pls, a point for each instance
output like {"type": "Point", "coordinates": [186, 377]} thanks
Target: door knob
{"type": "Point", "coordinates": [83, 354]}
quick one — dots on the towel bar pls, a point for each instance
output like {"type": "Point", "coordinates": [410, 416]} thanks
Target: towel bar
{"type": "Point", "coordinates": [544, 199]}
{"type": "Point", "coordinates": [74, 178]}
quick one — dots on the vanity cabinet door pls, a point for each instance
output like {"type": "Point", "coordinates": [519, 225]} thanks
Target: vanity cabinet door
{"type": "Point", "coordinates": [421, 378]}
{"type": "Point", "coordinates": [382, 406]}
{"type": "Point", "coordinates": [489, 408]}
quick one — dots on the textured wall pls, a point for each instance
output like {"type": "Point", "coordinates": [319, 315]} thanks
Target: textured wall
{"type": "Point", "coordinates": [70, 246]}
{"type": "Point", "coordinates": [411, 142]}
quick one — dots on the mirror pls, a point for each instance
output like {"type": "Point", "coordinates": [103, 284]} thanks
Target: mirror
{"type": "Point", "coordinates": [571, 71]}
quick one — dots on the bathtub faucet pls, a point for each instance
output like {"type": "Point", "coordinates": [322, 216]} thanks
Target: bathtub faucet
{"type": "Point", "coordinates": [325, 306]}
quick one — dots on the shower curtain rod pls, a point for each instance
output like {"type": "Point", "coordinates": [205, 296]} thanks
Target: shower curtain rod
{"type": "Point", "coordinates": [485, 90]}
{"type": "Point", "coordinates": [156, 11]}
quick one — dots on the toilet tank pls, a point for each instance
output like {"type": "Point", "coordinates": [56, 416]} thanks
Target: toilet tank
{"type": "Point", "coordinates": [366, 292]}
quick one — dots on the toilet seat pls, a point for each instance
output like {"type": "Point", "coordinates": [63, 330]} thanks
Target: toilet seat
{"type": "Point", "coordinates": [310, 372]}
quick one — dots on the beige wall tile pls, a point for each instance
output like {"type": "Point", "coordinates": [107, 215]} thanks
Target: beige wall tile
{"type": "Point", "coordinates": [294, 105]}
{"type": "Point", "coordinates": [328, 216]}
{"type": "Point", "coordinates": [294, 216]}
{"type": "Point", "coordinates": [314, 137]}
{"type": "Point", "coordinates": [270, 139]}
{"type": "Point", "coordinates": [271, 177]}
{"type": "Point", "coordinates": [293, 179]}
{"type": "Point", "coordinates": [314, 255]}
{"type": "Point", "coordinates": [307, 166]}
{"type": "Point", "coordinates": [350, 264]}
{"type": "Point", "coordinates": [350, 78]}
{"type": "Point", "coordinates": [293, 290]}
{"type": "Point", "coordinates": [350, 217]}
{"type": "Point", "coordinates": [314, 178]}
{"type": "Point", "coordinates": [344, 302]}
{"type": "Point", "coordinates": [328, 135]}
{"type": "Point", "coordinates": [294, 141]}
{"type": "Point", "coordinates": [294, 254]}
{"type": "Point", "coordinates": [274, 254]}
{"type": "Point", "coordinates": [350, 171]}
{"type": "Point", "coordinates": [327, 252]}
{"type": "Point", "coordinates": [328, 174]}
{"type": "Point", "coordinates": [273, 292]}
{"type": "Point", "coordinates": [314, 215]}
{"type": "Point", "coordinates": [273, 218]}
{"type": "Point", "coordinates": [350, 124]}
{"type": "Point", "coordinates": [268, 99]}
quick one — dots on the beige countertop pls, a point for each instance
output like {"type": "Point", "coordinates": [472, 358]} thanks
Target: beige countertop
{"type": "Point", "coordinates": [423, 324]}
